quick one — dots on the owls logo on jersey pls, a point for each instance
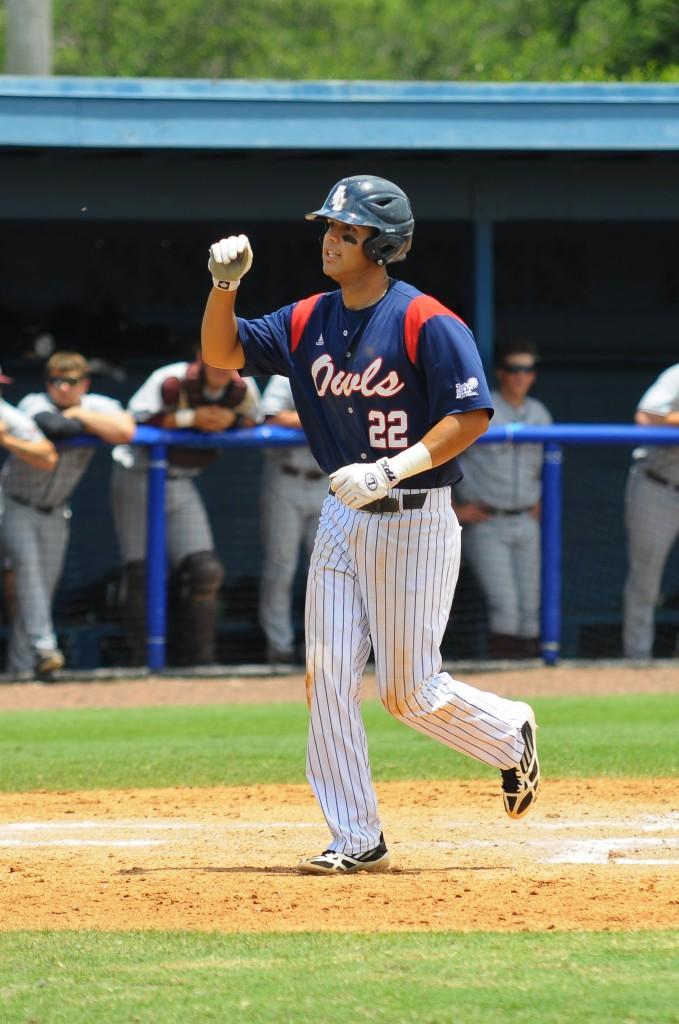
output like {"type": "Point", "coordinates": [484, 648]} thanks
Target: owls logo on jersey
{"type": "Point", "coordinates": [339, 198]}
{"type": "Point", "coordinates": [327, 378]}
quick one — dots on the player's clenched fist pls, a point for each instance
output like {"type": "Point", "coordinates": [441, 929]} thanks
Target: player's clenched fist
{"type": "Point", "coordinates": [230, 259]}
{"type": "Point", "coordinates": [357, 485]}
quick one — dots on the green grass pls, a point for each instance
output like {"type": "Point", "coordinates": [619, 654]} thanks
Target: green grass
{"type": "Point", "coordinates": [240, 744]}
{"type": "Point", "coordinates": [436, 978]}
{"type": "Point", "coordinates": [76, 977]}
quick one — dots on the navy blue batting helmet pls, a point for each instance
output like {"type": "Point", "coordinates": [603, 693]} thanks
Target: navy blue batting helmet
{"type": "Point", "coordinates": [372, 202]}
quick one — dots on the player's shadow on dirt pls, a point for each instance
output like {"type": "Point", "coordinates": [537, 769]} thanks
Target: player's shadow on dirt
{"type": "Point", "coordinates": [248, 869]}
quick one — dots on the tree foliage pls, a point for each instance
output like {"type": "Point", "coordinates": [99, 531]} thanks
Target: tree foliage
{"type": "Point", "coordinates": [436, 40]}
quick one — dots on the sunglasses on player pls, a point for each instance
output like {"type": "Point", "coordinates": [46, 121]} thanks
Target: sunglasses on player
{"type": "Point", "coordinates": [517, 368]}
{"type": "Point", "coordinates": [71, 381]}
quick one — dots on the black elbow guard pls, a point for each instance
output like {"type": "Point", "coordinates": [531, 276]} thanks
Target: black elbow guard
{"type": "Point", "coordinates": [57, 427]}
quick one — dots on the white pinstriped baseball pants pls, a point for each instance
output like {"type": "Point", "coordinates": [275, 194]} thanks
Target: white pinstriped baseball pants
{"type": "Point", "coordinates": [388, 579]}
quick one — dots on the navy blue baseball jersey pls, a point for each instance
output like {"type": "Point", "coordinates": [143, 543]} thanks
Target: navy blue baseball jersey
{"type": "Point", "coordinates": [370, 382]}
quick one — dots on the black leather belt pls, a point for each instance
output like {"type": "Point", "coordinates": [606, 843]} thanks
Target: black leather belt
{"type": "Point", "coordinates": [310, 474]}
{"type": "Point", "coordinates": [505, 511]}
{"type": "Point", "coordinates": [658, 479]}
{"type": "Point", "coordinates": [408, 502]}
{"type": "Point", "coordinates": [45, 509]}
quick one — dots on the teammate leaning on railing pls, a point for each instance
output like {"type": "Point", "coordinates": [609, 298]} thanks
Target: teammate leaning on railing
{"type": "Point", "coordinates": [183, 395]}
{"type": "Point", "coordinates": [36, 524]}
{"type": "Point", "coordinates": [651, 514]}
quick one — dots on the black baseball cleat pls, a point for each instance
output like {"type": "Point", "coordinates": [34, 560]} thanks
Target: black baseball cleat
{"type": "Point", "coordinates": [520, 785]}
{"type": "Point", "coordinates": [331, 863]}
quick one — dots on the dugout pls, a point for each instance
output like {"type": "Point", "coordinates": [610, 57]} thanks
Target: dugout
{"type": "Point", "coordinates": [545, 211]}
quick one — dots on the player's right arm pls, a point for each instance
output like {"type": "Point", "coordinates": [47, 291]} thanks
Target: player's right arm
{"type": "Point", "coordinates": [230, 259]}
{"type": "Point", "coordinates": [34, 450]}
{"type": "Point", "coordinates": [652, 419]}
{"type": "Point", "coordinates": [658, 405]}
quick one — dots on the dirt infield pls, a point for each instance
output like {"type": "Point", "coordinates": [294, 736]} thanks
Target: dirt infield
{"type": "Point", "coordinates": [595, 854]}
{"type": "Point", "coordinates": [592, 855]}
{"type": "Point", "coordinates": [156, 691]}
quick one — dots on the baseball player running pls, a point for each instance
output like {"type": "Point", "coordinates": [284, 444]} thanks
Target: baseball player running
{"type": "Point", "coordinates": [390, 389]}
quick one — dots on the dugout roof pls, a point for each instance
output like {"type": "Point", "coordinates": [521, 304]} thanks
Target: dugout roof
{"type": "Point", "coordinates": [119, 113]}
{"type": "Point", "coordinates": [120, 168]}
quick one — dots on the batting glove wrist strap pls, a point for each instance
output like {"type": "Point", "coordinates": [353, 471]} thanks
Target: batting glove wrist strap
{"type": "Point", "coordinates": [225, 286]}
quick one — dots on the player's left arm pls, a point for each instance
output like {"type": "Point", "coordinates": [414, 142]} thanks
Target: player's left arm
{"type": "Point", "coordinates": [452, 435]}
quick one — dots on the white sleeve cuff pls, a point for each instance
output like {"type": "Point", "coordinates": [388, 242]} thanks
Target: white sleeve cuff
{"type": "Point", "coordinates": [416, 459]}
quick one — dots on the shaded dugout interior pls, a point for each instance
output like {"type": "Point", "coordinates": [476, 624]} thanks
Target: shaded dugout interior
{"type": "Point", "coordinates": [106, 250]}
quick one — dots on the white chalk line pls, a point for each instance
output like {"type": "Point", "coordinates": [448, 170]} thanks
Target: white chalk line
{"type": "Point", "coordinates": [150, 825]}
{"type": "Point", "coordinates": [107, 843]}
{"type": "Point", "coordinates": [17, 834]}
{"type": "Point", "coordinates": [610, 849]}
{"type": "Point", "coordinates": [63, 826]}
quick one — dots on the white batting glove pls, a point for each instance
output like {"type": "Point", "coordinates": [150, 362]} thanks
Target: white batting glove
{"type": "Point", "coordinates": [230, 260]}
{"type": "Point", "coordinates": [357, 485]}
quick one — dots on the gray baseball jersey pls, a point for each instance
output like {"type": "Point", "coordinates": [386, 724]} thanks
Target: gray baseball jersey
{"type": "Point", "coordinates": [660, 399]}
{"type": "Point", "coordinates": [18, 425]}
{"type": "Point", "coordinates": [506, 476]}
{"type": "Point", "coordinates": [37, 487]}
{"type": "Point", "coordinates": [276, 398]}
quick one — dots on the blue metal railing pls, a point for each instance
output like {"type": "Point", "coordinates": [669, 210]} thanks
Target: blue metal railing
{"type": "Point", "coordinates": [156, 556]}
{"type": "Point", "coordinates": [553, 438]}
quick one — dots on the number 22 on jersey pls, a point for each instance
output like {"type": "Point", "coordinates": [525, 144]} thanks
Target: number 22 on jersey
{"type": "Point", "coordinates": [388, 430]}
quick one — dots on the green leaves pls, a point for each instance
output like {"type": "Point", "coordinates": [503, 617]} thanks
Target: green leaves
{"type": "Point", "coordinates": [433, 40]}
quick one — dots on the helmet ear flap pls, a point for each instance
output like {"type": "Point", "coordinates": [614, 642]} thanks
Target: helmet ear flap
{"type": "Point", "coordinates": [370, 201]}
{"type": "Point", "coordinates": [385, 248]}
{"type": "Point", "coordinates": [371, 248]}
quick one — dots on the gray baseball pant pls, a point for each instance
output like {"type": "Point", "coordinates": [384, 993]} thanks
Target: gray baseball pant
{"type": "Point", "coordinates": [504, 552]}
{"type": "Point", "coordinates": [186, 522]}
{"type": "Point", "coordinates": [652, 522]}
{"type": "Point", "coordinates": [289, 510]}
{"type": "Point", "coordinates": [35, 543]}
